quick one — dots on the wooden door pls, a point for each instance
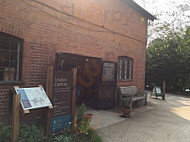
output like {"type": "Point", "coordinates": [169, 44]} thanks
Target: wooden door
{"type": "Point", "coordinates": [108, 86]}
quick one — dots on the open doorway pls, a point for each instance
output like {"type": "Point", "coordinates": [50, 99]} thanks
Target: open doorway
{"type": "Point", "coordinates": [89, 73]}
{"type": "Point", "coordinates": [96, 79]}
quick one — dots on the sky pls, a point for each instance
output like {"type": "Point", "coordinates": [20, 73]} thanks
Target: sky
{"type": "Point", "coordinates": [163, 10]}
{"type": "Point", "coordinates": [155, 6]}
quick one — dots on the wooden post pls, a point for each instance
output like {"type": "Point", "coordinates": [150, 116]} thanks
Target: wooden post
{"type": "Point", "coordinates": [49, 91]}
{"type": "Point", "coordinates": [74, 97]}
{"type": "Point", "coordinates": [15, 117]}
{"type": "Point", "coordinates": [164, 90]}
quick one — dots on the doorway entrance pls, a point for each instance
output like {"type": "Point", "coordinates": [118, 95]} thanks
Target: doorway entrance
{"type": "Point", "coordinates": [96, 79]}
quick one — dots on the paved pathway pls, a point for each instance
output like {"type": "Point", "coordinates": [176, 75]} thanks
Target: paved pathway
{"type": "Point", "coordinates": [168, 122]}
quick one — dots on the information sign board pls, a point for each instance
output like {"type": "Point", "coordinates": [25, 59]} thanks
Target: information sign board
{"type": "Point", "coordinates": [32, 98]}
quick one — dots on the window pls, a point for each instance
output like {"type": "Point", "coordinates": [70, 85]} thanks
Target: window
{"type": "Point", "coordinates": [125, 68]}
{"type": "Point", "coordinates": [10, 58]}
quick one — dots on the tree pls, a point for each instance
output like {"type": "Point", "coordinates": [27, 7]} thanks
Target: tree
{"type": "Point", "coordinates": [168, 58]}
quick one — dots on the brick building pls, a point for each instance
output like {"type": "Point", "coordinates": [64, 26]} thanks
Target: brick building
{"type": "Point", "coordinates": [33, 31]}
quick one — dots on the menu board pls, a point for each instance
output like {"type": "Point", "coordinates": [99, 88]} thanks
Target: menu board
{"type": "Point", "coordinates": [32, 98]}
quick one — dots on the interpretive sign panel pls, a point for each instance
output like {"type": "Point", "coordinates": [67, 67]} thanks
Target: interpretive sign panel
{"type": "Point", "coordinates": [62, 87]}
{"type": "Point", "coordinates": [32, 98]}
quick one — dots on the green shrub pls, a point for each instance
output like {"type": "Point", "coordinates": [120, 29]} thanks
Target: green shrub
{"type": "Point", "coordinates": [84, 132]}
{"type": "Point", "coordinates": [32, 133]}
{"type": "Point", "coordinates": [83, 121]}
{"type": "Point", "coordinates": [27, 133]}
{"type": "Point", "coordinates": [91, 137]}
{"type": "Point", "coordinates": [63, 138]}
{"type": "Point", "coordinates": [5, 133]}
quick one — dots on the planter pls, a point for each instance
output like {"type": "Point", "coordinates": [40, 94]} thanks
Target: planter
{"type": "Point", "coordinates": [126, 112]}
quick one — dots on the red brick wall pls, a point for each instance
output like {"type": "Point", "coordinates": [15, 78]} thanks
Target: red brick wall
{"type": "Point", "coordinates": [97, 28]}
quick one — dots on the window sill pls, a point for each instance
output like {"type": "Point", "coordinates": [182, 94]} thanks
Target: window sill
{"type": "Point", "coordinates": [126, 80]}
{"type": "Point", "coordinates": [11, 82]}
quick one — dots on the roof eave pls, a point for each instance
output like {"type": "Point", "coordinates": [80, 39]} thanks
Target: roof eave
{"type": "Point", "coordinates": [139, 9]}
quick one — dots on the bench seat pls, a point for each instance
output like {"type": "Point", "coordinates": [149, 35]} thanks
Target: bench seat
{"type": "Point", "coordinates": [131, 92]}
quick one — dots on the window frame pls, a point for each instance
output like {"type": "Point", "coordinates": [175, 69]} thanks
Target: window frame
{"type": "Point", "coordinates": [9, 48]}
{"type": "Point", "coordinates": [125, 62]}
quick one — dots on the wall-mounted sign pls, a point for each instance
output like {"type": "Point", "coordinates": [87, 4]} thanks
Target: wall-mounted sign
{"type": "Point", "coordinates": [32, 98]}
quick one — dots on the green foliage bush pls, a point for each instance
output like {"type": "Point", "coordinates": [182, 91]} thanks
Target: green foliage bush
{"type": "Point", "coordinates": [28, 133]}
{"type": "Point", "coordinates": [35, 133]}
{"type": "Point", "coordinates": [5, 133]}
{"type": "Point", "coordinates": [32, 133]}
{"type": "Point", "coordinates": [64, 138]}
{"type": "Point", "coordinates": [90, 137]}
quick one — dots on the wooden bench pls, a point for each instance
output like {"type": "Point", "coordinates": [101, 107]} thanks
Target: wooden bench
{"type": "Point", "coordinates": [131, 92]}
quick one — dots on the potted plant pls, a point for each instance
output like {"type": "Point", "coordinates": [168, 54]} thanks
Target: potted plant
{"type": "Point", "coordinates": [126, 109]}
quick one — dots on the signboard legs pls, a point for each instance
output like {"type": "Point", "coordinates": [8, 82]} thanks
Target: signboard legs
{"type": "Point", "coordinates": [16, 117]}
{"type": "Point", "coordinates": [49, 90]}
{"type": "Point", "coordinates": [74, 97]}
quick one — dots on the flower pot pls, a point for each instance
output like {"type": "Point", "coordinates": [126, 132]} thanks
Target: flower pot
{"type": "Point", "coordinates": [126, 112]}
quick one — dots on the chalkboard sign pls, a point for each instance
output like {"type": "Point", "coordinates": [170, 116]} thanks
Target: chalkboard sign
{"type": "Point", "coordinates": [62, 85]}
{"type": "Point", "coordinates": [32, 98]}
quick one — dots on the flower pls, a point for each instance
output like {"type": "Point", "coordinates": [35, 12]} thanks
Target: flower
{"type": "Point", "coordinates": [88, 115]}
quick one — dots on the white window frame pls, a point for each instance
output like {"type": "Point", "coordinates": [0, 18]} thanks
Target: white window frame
{"type": "Point", "coordinates": [125, 68]}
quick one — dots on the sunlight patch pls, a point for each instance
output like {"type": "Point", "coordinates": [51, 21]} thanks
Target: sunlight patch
{"type": "Point", "coordinates": [183, 112]}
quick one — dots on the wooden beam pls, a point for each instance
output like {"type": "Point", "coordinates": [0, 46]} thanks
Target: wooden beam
{"type": "Point", "coordinates": [40, 86]}
{"type": "Point", "coordinates": [49, 91]}
{"type": "Point", "coordinates": [164, 90]}
{"type": "Point", "coordinates": [15, 117]}
{"type": "Point", "coordinates": [74, 97]}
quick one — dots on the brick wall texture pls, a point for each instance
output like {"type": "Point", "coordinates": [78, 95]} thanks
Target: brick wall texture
{"type": "Point", "coordinates": [97, 28]}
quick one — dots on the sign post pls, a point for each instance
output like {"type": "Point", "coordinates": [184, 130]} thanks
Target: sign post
{"type": "Point", "coordinates": [28, 98]}
{"type": "Point", "coordinates": [49, 90]}
{"type": "Point", "coordinates": [15, 117]}
{"type": "Point", "coordinates": [74, 97]}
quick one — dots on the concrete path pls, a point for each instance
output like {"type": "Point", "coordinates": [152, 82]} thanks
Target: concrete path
{"type": "Point", "coordinates": [168, 122]}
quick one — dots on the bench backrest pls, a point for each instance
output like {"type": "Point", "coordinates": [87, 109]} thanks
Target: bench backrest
{"type": "Point", "coordinates": [128, 90]}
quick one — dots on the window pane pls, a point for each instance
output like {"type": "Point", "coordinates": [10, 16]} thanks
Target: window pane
{"type": "Point", "coordinates": [1, 75]}
{"type": "Point", "coordinates": [14, 45]}
{"type": "Point", "coordinates": [120, 69]}
{"type": "Point", "coordinates": [130, 69]}
{"type": "Point", "coordinates": [125, 68]}
{"type": "Point", "coordinates": [4, 55]}
{"type": "Point", "coordinates": [10, 60]}
{"type": "Point", "coordinates": [4, 43]}
{"type": "Point", "coordinates": [13, 55]}
{"type": "Point", "coordinates": [9, 74]}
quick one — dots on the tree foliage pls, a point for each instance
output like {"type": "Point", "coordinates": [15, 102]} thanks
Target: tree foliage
{"type": "Point", "coordinates": [168, 58]}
